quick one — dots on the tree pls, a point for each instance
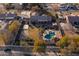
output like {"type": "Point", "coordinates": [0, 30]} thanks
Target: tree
{"type": "Point", "coordinates": [5, 37]}
{"type": "Point", "coordinates": [76, 40]}
{"type": "Point", "coordinates": [39, 43]}
{"type": "Point", "coordinates": [71, 45]}
{"type": "Point", "coordinates": [75, 46]}
{"type": "Point", "coordinates": [39, 46]}
{"type": "Point", "coordinates": [63, 42]}
{"type": "Point", "coordinates": [2, 42]}
{"type": "Point", "coordinates": [0, 26]}
{"type": "Point", "coordinates": [55, 6]}
{"type": "Point", "coordinates": [14, 26]}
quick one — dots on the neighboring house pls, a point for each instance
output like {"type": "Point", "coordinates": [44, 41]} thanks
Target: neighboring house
{"type": "Point", "coordinates": [7, 16]}
{"type": "Point", "coordinates": [74, 21]}
{"type": "Point", "coordinates": [68, 7]}
{"type": "Point", "coordinates": [17, 6]}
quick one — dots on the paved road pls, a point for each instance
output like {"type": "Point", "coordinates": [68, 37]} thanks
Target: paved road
{"type": "Point", "coordinates": [20, 50]}
{"type": "Point", "coordinates": [14, 53]}
{"type": "Point", "coordinates": [15, 50]}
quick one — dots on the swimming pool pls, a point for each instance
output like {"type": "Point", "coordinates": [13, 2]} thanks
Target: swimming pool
{"type": "Point", "coordinates": [49, 35]}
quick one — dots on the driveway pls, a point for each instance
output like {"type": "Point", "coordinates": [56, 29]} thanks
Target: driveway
{"type": "Point", "coordinates": [68, 30]}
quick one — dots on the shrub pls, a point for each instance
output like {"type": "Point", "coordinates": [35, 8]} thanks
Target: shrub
{"type": "Point", "coordinates": [63, 42]}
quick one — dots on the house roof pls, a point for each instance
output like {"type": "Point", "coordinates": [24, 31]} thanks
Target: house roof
{"type": "Point", "coordinates": [7, 16]}
{"type": "Point", "coordinates": [40, 18]}
{"type": "Point", "coordinates": [73, 19]}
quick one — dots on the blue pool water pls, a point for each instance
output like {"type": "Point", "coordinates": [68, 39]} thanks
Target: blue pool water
{"type": "Point", "coordinates": [50, 35]}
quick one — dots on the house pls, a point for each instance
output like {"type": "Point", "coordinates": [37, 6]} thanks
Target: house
{"type": "Point", "coordinates": [64, 7]}
{"type": "Point", "coordinates": [74, 21]}
{"type": "Point", "coordinates": [41, 21]}
{"type": "Point", "coordinates": [7, 16]}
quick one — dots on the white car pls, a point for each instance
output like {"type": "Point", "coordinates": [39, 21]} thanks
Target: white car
{"type": "Point", "coordinates": [26, 27]}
